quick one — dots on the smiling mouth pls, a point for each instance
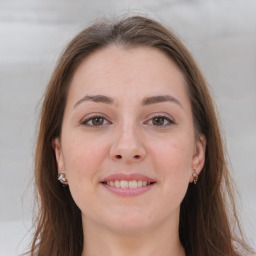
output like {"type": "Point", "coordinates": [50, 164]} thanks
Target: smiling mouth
{"type": "Point", "coordinates": [127, 184]}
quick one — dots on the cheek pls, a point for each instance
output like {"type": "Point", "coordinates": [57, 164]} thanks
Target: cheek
{"type": "Point", "coordinates": [173, 160]}
{"type": "Point", "coordinates": [176, 172]}
{"type": "Point", "coordinates": [82, 156]}
{"type": "Point", "coordinates": [175, 154]}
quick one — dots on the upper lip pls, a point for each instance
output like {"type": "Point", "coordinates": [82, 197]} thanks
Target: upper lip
{"type": "Point", "coordinates": [128, 177]}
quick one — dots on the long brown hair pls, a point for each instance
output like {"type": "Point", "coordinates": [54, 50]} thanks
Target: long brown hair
{"type": "Point", "coordinates": [205, 216]}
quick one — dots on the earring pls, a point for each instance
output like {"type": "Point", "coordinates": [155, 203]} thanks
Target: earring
{"type": "Point", "coordinates": [195, 176]}
{"type": "Point", "coordinates": [62, 177]}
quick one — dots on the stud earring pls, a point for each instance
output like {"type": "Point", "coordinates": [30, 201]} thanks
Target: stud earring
{"type": "Point", "coordinates": [62, 177]}
{"type": "Point", "coordinates": [195, 176]}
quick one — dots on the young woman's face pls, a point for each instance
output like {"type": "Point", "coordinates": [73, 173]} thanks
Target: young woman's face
{"type": "Point", "coordinates": [127, 144]}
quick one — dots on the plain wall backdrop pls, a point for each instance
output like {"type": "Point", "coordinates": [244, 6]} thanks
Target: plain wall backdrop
{"type": "Point", "coordinates": [221, 34]}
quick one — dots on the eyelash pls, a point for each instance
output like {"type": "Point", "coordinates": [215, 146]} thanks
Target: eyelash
{"type": "Point", "coordinates": [166, 119]}
{"type": "Point", "coordinates": [86, 121]}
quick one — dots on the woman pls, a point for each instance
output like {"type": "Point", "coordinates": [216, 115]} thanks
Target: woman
{"type": "Point", "coordinates": [129, 157]}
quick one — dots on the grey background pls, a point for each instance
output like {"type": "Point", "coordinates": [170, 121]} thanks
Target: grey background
{"type": "Point", "coordinates": [221, 34]}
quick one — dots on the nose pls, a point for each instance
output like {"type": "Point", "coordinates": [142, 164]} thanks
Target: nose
{"type": "Point", "coordinates": [128, 146]}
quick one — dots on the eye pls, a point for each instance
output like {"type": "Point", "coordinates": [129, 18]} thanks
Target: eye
{"type": "Point", "coordinates": [95, 121]}
{"type": "Point", "coordinates": [160, 121]}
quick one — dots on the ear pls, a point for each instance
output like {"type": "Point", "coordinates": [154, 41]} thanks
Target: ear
{"type": "Point", "coordinates": [56, 144]}
{"type": "Point", "coordinates": [198, 156]}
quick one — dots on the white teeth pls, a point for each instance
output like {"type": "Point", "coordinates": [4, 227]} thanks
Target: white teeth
{"type": "Point", "coordinates": [128, 184]}
{"type": "Point", "coordinates": [133, 184]}
{"type": "Point", "coordinates": [117, 184]}
{"type": "Point", "coordinates": [124, 184]}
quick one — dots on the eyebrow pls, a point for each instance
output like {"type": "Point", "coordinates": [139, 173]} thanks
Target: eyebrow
{"type": "Point", "coordinates": [159, 99]}
{"type": "Point", "coordinates": [95, 98]}
{"type": "Point", "coordinates": [145, 101]}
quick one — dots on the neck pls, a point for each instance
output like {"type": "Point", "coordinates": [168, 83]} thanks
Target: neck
{"type": "Point", "coordinates": [162, 241]}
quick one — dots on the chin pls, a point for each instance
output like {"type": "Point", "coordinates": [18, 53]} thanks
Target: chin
{"type": "Point", "coordinates": [130, 221]}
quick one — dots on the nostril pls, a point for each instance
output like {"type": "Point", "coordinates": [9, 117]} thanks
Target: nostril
{"type": "Point", "coordinates": [136, 156]}
{"type": "Point", "coordinates": [119, 156]}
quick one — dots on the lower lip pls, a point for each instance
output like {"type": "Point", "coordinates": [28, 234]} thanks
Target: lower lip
{"type": "Point", "coordinates": [128, 191]}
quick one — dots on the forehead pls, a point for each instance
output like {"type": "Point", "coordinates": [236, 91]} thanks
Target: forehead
{"type": "Point", "coordinates": [133, 72]}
